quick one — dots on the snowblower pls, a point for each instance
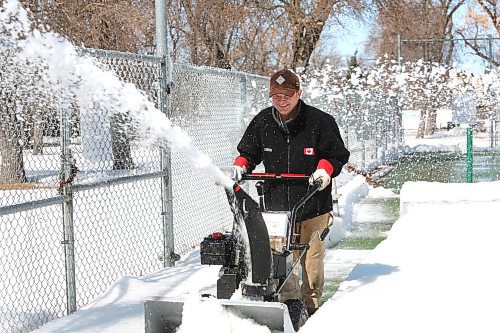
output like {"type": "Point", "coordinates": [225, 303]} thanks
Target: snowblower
{"type": "Point", "coordinates": [255, 257]}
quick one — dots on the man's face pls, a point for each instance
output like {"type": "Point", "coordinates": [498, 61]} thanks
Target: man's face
{"type": "Point", "coordinates": [286, 104]}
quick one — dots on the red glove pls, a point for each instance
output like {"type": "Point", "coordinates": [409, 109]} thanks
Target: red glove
{"type": "Point", "coordinates": [241, 167]}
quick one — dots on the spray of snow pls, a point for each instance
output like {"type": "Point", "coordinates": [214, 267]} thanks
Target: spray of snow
{"type": "Point", "coordinates": [63, 73]}
{"type": "Point", "coordinates": [70, 75]}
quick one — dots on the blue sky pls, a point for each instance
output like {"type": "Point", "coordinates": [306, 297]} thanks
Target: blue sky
{"type": "Point", "coordinates": [351, 38]}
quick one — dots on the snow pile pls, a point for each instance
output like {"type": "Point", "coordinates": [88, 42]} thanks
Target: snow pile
{"type": "Point", "coordinates": [435, 272]}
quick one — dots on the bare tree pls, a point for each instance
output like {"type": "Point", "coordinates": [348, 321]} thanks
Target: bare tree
{"type": "Point", "coordinates": [211, 29]}
{"type": "Point", "coordinates": [226, 34]}
{"type": "Point", "coordinates": [123, 25]}
{"type": "Point", "coordinates": [307, 20]}
{"type": "Point", "coordinates": [424, 25]}
{"type": "Point", "coordinates": [258, 36]}
{"type": "Point", "coordinates": [426, 28]}
{"type": "Point", "coordinates": [426, 91]}
{"type": "Point", "coordinates": [11, 149]}
{"type": "Point", "coordinates": [480, 23]}
{"type": "Point", "coordinates": [263, 45]}
{"type": "Point", "coordinates": [304, 22]}
{"type": "Point", "coordinates": [11, 152]}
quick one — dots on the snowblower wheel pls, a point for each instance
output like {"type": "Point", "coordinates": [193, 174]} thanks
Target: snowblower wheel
{"type": "Point", "coordinates": [298, 312]}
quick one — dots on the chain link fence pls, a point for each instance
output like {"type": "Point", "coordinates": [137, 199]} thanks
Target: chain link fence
{"type": "Point", "coordinates": [92, 206]}
{"type": "Point", "coordinates": [88, 207]}
{"type": "Point", "coordinates": [81, 206]}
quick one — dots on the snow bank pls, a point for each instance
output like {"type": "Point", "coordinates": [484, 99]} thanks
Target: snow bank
{"type": "Point", "coordinates": [416, 194]}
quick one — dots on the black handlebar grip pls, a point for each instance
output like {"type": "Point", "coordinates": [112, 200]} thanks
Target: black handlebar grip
{"type": "Point", "coordinates": [324, 234]}
{"type": "Point", "coordinates": [260, 188]}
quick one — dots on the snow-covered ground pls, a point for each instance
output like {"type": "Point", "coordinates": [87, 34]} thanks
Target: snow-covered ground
{"type": "Point", "coordinates": [452, 140]}
{"type": "Point", "coordinates": [435, 271]}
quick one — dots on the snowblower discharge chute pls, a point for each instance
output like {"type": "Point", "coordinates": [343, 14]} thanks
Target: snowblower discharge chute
{"type": "Point", "coordinates": [249, 262]}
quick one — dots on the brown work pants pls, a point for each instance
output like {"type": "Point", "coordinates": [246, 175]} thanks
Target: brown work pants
{"type": "Point", "coordinates": [312, 265]}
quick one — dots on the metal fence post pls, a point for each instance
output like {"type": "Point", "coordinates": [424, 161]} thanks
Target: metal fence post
{"type": "Point", "coordinates": [496, 133]}
{"type": "Point", "coordinates": [469, 155]}
{"type": "Point", "coordinates": [66, 175]}
{"type": "Point", "coordinates": [400, 136]}
{"type": "Point", "coordinates": [244, 102]}
{"type": "Point", "coordinates": [166, 165]}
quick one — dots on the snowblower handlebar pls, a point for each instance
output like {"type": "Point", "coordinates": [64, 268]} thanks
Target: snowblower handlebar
{"type": "Point", "coordinates": [271, 176]}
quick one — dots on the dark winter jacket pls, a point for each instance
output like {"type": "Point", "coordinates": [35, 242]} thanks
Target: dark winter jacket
{"type": "Point", "coordinates": [294, 147]}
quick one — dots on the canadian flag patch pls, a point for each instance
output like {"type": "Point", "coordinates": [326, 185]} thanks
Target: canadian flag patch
{"type": "Point", "coordinates": [308, 151]}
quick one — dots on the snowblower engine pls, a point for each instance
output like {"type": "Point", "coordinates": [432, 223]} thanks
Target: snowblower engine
{"type": "Point", "coordinates": [222, 249]}
{"type": "Point", "coordinates": [218, 249]}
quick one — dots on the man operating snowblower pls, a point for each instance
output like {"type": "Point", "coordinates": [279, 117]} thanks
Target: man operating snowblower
{"type": "Point", "coordinates": [295, 138]}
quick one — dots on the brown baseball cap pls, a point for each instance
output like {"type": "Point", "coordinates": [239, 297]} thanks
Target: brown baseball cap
{"type": "Point", "coordinates": [284, 82]}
